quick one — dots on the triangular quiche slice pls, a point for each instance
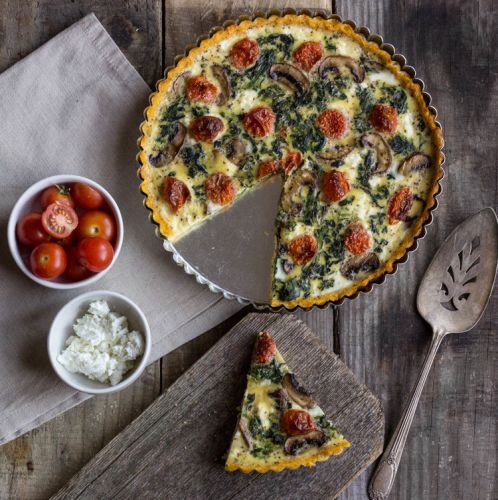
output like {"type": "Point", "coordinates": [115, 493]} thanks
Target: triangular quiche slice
{"type": "Point", "coordinates": [280, 425]}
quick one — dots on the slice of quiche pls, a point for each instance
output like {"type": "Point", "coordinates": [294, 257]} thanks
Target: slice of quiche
{"type": "Point", "coordinates": [280, 425]}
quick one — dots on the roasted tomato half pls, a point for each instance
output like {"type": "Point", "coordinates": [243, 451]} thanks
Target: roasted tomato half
{"type": "Point", "coordinates": [384, 118]}
{"type": "Point", "coordinates": [292, 160]}
{"type": "Point", "coordinates": [302, 249]}
{"type": "Point", "coordinates": [267, 167]}
{"type": "Point", "coordinates": [220, 188]}
{"type": "Point", "coordinates": [332, 123]}
{"type": "Point", "coordinates": [200, 89]}
{"type": "Point", "coordinates": [244, 53]}
{"type": "Point", "coordinates": [335, 185]}
{"type": "Point", "coordinates": [265, 349]}
{"type": "Point", "coordinates": [308, 54]}
{"type": "Point", "coordinates": [356, 238]}
{"type": "Point", "coordinates": [176, 193]}
{"type": "Point", "coordinates": [259, 121]}
{"type": "Point", "coordinates": [399, 205]}
{"type": "Point", "coordinates": [206, 128]}
{"type": "Point", "coordinates": [297, 422]}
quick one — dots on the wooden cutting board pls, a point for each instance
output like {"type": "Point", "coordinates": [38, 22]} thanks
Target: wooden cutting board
{"type": "Point", "coordinates": [175, 448]}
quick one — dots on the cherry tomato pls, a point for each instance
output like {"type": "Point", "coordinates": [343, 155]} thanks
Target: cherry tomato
{"type": "Point", "coordinates": [95, 254]}
{"type": "Point", "coordinates": [267, 167]}
{"type": "Point", "coordinates": [59, 220]}
{"type": "Point", "coordinates": [206, 128]}
{"type": "Point", "coordinates": [356, 238]}
{"type": "Point", "coordinates": [176, 193]}
{"type": "Point", "coordinates": [48, 261]}
{"type": "Point", "coordinates": [87, 197]}
{"type": "Point", "coordinates": [308, 54]}
{"type": "Point", "coordinates": [384, 118]}
{"type": "Point", "coordinates": [56, 193]}
{"type": "Point", "coordinates": [96, 223]}
{"type": "Point", "coordinates": [302, 249]}
{"type": "Point", "coordinates": [335, 185]}
{"type": "Point", "coordinates": [399, 205]}
{"type": "Point", "coordinates": [199, 88]}
{"type": "Point", "coordinates": [332, 123]}
{"type": "Point", "coordinates": [30, 232]}
{"type": "Point", "coordinates": [265, 349]}
{"type": "Point", "coordinates": [259, 121]}
{"type": "Point", "coordinates": [220, 188]}
{"type": "Point", "coordinates": [244, 53]}
{"type": "Point", "coordinates": [292, 160]}
{"type": "Point", "coordinates": [74, 270]}
{"type": "Point", "coordinates": [297, 422]}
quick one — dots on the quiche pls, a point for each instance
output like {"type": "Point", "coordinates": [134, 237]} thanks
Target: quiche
{"type": "Point", "coordinates": [280, 425]}
{"type": "Point", "coordinates": [310, 100]}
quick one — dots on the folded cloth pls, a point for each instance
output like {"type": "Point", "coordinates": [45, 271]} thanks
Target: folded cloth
{"type": "Point", "coordinates": [73, 106]}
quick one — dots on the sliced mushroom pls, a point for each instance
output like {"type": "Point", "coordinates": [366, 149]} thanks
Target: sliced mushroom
{"type": "Point", "coordinates": [235, 150]}
{"type": "Point", "coordinates": [414, 162]}
{"type": "Point", "coordinates": [295, 444]}
{"type": "Point", "coordinates": [281, 398]}
{"type": "Point", "coordinates": [335, 64]}
{"type": "Point", "coordinates": [292, 77]}
{"type": "Point", "coordinates": [287, 266]}
{"type": "Point", "coordinates": [179, 83]}
{"type": "Point", "coordinates": [297, 392]}
{"type": "Point", "coordinates": [301, 179]}
{"type": "Point", "coordinates": [335, 154]}
{"type": "Point", "coordinates": [382, 150]}
{"type": "Point", "coordinates": [360, 264]}
{"type": "Point", "coordinates": [225, 86]}
{"type": "Point", "coordinates": [168, 154]}
{"type": "Point", "coordinates": [244, 430]}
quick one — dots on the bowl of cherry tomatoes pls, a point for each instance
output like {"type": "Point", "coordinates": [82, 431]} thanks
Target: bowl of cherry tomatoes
{"type": "Point", "coordinates": [65, 231]}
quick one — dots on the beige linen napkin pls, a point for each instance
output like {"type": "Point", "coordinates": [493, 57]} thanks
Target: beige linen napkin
{"type": "Point", "coordinates": [74, 106]}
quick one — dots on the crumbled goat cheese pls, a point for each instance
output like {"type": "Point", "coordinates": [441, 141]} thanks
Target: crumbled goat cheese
{"type": "Point", "coordinates": [102, 348]}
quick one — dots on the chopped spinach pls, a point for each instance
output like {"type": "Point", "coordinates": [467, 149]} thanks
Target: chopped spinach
{"type": "Point", "coordinates": [279, 42]}
{"type": "Point", "coordinates": [255, 426]}
{"type": "Point", "coordinates": [396, 97]}
{"type": "Point", "coordinates": [269, 371]}
{"type": "Point", "coordinates": [366, 98]}
{"type": "Point", "coordinates": [191, 156]}
{"type": "Point", "coordinates": [258, 72]}
{"type": "Point", "coordinates": [401, 145]}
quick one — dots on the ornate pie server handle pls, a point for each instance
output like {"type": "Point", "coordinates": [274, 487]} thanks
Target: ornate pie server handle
{"type": "Point", "coordinates": [385, 473]}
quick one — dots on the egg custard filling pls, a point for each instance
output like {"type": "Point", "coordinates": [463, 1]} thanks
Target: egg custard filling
{"type": "Point", "coordinates": [280, 425]}
{"type": "Point", "coordinates": [314, 102]}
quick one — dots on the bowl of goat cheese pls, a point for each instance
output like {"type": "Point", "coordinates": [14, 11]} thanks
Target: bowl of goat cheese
{"type": "Point", "coordinates": [99, 342]}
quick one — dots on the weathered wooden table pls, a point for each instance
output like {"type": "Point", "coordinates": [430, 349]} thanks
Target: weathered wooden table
{"type": "Point", "coordinates": [452, 449]}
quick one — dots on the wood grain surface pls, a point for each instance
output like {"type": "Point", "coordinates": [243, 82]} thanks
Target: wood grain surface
{"type": "Point", "coordinates": [451, 451]}
{"type": "Point", "coordinates": [175, 448]}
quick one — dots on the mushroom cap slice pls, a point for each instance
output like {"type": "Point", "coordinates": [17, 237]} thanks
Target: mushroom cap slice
{"type": "Point", "coordinates": [301, 179]}
{"type": "Point", "coordinates": [225, 86]}
{"type": "Point", "coordinates": [414, 162]}
{"type": "Point", "coordinates": [244, 430]}
{"type": "Point", "coordinates": [335, 154]}
{"type": "Point", "coordinates": [235, 150]}
{"type": "Point", "coordinates": [281, 397]}
{"type": "Point", "coordinates": [168, 154]}
{"type": "Point", "coordinates": [335, 64]}
{"type": "Point", "coordinates": [382, 149]}
{"type": "Point", "coordinates": [295, 444]}
{"type": "Point", "coordinates": [297, 392]}
{"type": "Point", "coordinates": [360, 264]}
{"type": "Point", "coordinates": [292, 77]}
{"type": "Point", "coordinates": [178, 85]}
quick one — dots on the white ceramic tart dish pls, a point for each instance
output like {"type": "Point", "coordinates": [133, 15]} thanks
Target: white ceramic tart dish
{"type": "Point", "coordinates": [325, 107]}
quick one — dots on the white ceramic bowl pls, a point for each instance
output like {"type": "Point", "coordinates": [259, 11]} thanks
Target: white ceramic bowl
{"type": "Point", "coordinates": [61, 329]}
{"type": "Point", "coordinates": [29, 202]}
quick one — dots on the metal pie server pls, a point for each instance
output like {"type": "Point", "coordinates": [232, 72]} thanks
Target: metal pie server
{"type": "Point", "coordinates": [452, 297]}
